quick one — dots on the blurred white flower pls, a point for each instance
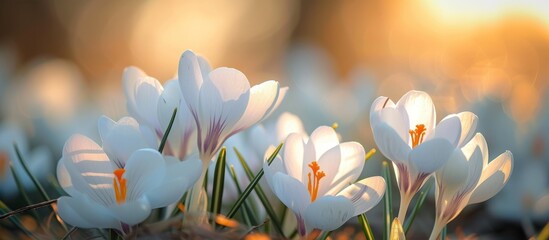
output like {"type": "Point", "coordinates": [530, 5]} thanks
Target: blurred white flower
{"type": "Point", "coordinates": [468, 178]}
{"type": "Point", "coordinates": [117, 185]}
{"type": "Point", "coordinates": [152, 105]}
{"type": "Point", "coordinates": [318, 93]}
{"type": "Point", "coordinates": [315, 177]}
{"type": "Point", "coordinates": [38, 160]}
{"type": "Point", "coordinates": [406, 134]}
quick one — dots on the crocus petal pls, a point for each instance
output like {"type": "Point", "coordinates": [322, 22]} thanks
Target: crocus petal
{"type": "Point", "coordinates": [291, 192]}
{"type": "Point", "coordinates": [493, 178]}
{"type": "Point", "coordinates": [321, 140]}
{"type": "Point", "coordinates": [468, 126]}
{"type": "Point", "coordinates": [397, 121]}
{"type": "Point", "coordinates": [431, 155]}
{"type": "Point", "coordinates": [179, 178]}
{"type": "Point", "coordinates": [124, 138]}
{"type": "Point", "coordinates": [365, 194]}
{"type": "Point", "coordinates": [224, 97]}
{"type": "Point", "coordinates": [222, 102]}
{"type": "Point", "coordinates": [262, 102]}
{"type": "Point", "coordinates": [142, 93]}
{"type": "Point", "coordinates": [132, 212]}
{"type": "Point", "coordinates": [183, 126]}
{"type": "Point", "coordinates": [105, 126]}
{"type": "Point", "coordinates": [346, 161]}
{"type": "Point", "coordinates": [419, 108]}
{"type": "Point", "coordinates": [329, 212]}
{"type": "Point", "coordinates": [390, 143]}
{"type": "Point", "coordinates": [477, 141]}
{"type": "Point", "coordinates": [144, 171]}
{"type": "Point", "coordinates": [190, 79]}
{"type": "Point", "coordinates": [281, 95]}
{"type": "Point", "coordinates": [89, 168]}
{"type": "Point", "coordinates": [230, 83]}
{"type": "Point", "coordinates": [378, 104]}
{"type": "Point", "coordinates": [81, 212]}
{"type": "Point", "coordinates": [276, 166]}
{"type": "Point", "coordinates": [460, 173]}
{"type": "Point", "coordinates": [64, 179]}
{"type": "Point", "coordinates": [293, 152]}
{"type": "Point", "coordinates": [450, 129]}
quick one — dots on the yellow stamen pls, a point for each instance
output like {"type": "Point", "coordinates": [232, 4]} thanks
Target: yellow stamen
{"type": "Point", "coordinates": [417, 135]}
{"type": "Point", "coordinates": [119, 184]}
{"type": "Point", "coordinates": [313, 185]}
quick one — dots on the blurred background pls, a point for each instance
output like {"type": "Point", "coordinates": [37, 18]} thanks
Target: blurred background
{"type": "Point", "coordinates": [61, 64]}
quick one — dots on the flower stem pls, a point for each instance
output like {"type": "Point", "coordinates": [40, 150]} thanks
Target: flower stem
{"type": "Point", "coordinates": [195, 209]}
{"type": "Point", "coordinates": [436, 230]}
{"type": "Point", "coordinates": [404, 203]}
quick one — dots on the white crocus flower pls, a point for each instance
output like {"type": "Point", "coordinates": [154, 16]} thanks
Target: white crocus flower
{"type": "Point", "coordinates": [315, 178]}
{"type": "Point", "coordinates": [117, 185]}
{"type": "Point", "coordinates": [222, 104]}
{"type": "Point", "coordinates": [468, 178]}
{"type": "Point", "coordinates": [152, 105]}
{"type": "Point", "coordinates": [406, 134]}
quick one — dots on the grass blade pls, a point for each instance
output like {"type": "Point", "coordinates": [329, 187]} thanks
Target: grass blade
{"type": "Point", "coordinates": [247, 213]}
{"type": "Point", "coordinates": [23, 192]}
{"type": "Point", "coordinates": [218, 182]}
{"type": "Point", "coordinates": [167, 132]}
{"type": "Point", "coordinates": [443, 233]}
{"type": "Point", "coordinates": [34, 180]}
{"type": "Point", "coordinates": [419, 203]}
{"type": "Point", "coordinates": [365, 227]}
{"type": "Point", "coordinates": [252, 184]}
{"type": "Point", "coordinates": [4, 209]}
{"type": "Point", "coordinates": [387, 199]}
{"type": "Point", "coordinates": [261, 194]}
{"type": "Point", "coordinates": [324, 235]}
{"type": "Point", "coordinates": [26, 208]}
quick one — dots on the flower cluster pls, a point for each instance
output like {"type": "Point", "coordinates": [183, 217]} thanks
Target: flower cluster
{"type": "Point", "coordinates": [164, 149]}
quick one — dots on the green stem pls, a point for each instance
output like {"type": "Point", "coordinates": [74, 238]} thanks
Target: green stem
{"type": "Point", "coordinates": [365, 227]}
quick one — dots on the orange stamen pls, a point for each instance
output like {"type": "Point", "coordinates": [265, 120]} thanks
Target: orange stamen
{"type": "Point", "coordinates": [4, 165]}
{"type": "Point", "coordinates": [313, 185]}
{"type": "Point", "coordinates": [417, 135]}
{"type": "Point", "coordinates": [119, 184]}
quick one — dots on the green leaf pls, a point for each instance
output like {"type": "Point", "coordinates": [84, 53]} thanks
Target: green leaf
{"type": "Point", "coordinates": [261, 194]}
{"type": "Point", "coordinates": [365, 226]}
{"type": "Point", "coordinates": [167, 132]}
{"type": "Point", "coordinates": [387, 199]}
{"type": "Point", "coordinates": [247, 213]}
{"type": "Point", "coordinates": [218, 182]}
{"type": "Point", "coordinates": [252, 185]}
{"type": "Point", "coordinates": [34, 180]}
{"type": "Point", "coordinates": [419, 203]}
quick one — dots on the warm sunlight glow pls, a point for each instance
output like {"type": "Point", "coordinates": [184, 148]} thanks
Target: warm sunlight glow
{"type": "Point", "coordinates": [488, 10]}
